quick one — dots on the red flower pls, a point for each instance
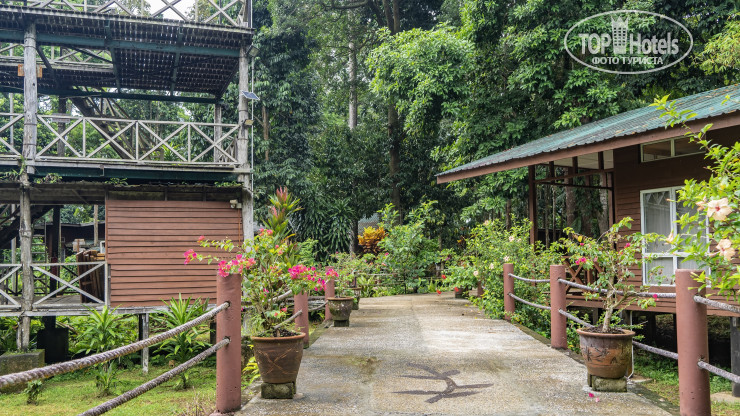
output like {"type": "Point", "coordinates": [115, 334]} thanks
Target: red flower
{"type": "Point", "coordinates": [444, 277]}
{"type": "Point", "coordinates": [456, 289]}
{"type": "Point", "coordinates": [439, 292]}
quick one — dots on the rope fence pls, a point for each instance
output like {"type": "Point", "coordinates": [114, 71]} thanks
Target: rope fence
{"type": "Point", "coordinates": [524, 279]}
{"type": "Point", "coordinates": [316, 308]}
{"type": "Point", "coordinates": [654, 350]}
{"type": "Point", "coordinates": [718, 371]}
{"type": "Point", "coordinates": [289, 320]}
{"type": "Point", "coordinates": [575, 318]}
{"type": "Point", "coordinates": [718, 305]}
{"type": "Point", "coordinates": [532, 304]}
{"type": "Point", "coordinates": [80, 363]}
{"type": "Point", "coordinates": [618, 292]}
{"type": "Point", "coordinates": [138, 391]}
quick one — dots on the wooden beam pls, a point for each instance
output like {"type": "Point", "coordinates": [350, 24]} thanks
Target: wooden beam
{"type": "Point", "coordinates": [112, 51]}
{"type": "Point", "coordinates": [176, 64]}
{"type": "Point", "coordinates": [126, 96]}
{"type": "Point", "coordinates": [571, 185]}
{"type": "Point", "coordinates": [532, 205]}
{"type": "Point", "coordinates": [573, 175]}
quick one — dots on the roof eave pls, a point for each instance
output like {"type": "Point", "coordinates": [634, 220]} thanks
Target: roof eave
{"type": "Point", "coordinates": [729, 119]}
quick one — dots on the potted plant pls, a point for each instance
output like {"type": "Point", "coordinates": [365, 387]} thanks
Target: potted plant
{"type": "Point", "coordinates": [340, 305]}
{"type": "Point", "coordinates": [268, 266]}
{"type": "Point", "coordinates": [607, 347]}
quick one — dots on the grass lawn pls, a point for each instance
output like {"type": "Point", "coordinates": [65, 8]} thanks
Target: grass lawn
{"type": "Point", "coordinates": [664, 375]}
{"type": "Point", "coordinates": [71, 394]}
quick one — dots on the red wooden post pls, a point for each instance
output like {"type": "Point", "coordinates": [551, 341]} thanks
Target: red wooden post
{"type": "Point", "coordinates": [328, 293]}
{"type": "Point", "coordinates": [228, 358]}
{"type": "Point", "coordinates": [480, 288]}
{"type": "Point", "coordinates": [558, 322]}
{"type": "Point", "coordinates": [693, 345]}
{"type": "Point", "coordinates": [300, 303]}
{"type": "Point", "coordinates": [509, 303]}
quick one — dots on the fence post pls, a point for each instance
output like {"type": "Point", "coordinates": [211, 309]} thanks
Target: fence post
{"type": "Point", "coordinates": [228, 358]}
{"type": "Point", "coordinates": [300, 303]}
{"type": "Point", "coordinates": [480, 289]}
{"type": "Point", "coordinates": [509, 305]}
{"type": "Point", "coordinates": [558, 322]}
{"type": "Point", "coordinates": [328, 293]}
{"type": "Point", "coordinates": [693, 345]}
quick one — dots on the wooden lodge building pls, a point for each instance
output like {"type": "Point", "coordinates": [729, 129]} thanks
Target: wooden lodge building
{"type": "Point", "coordinates": [639, 163]}
{"type": "Point", "coordinates": [157, 179]}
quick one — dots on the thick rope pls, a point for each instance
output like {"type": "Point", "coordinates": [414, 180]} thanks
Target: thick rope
{"type": "Point", "coordinates": [289, 320]}
{"type": "Point", "coordinates": [524, 279]}
{"type": "Point", "coordinates": [618, 292]}
{"type": "Point", "coordinates": [575, 318]}
{"type": "Point", "coordinates": [66, 367]}
{"type": "Point", "coordinates": [715, 304]}
{"type": "Point", "coordinates": [664, 353]}
{"type": "Point", "coordinates": [535, 305]}
{"type": "Point", "coordinates": [318, 307]}
{"type": "Point", "coordinates": [138, 391]}
{"type": "Point", "coordinates": [718, 371]}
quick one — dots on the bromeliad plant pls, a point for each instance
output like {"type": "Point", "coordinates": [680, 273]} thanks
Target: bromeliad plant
{"type": "Point", "coordinates": [269, 266]}
{"type": "Point", "coordinates": [612, 256]}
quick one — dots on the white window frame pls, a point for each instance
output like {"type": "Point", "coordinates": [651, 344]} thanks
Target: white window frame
{"type": "Point", "coordinates": [673, 150]}
{"type": "Point", "coordinates": [674, 230]}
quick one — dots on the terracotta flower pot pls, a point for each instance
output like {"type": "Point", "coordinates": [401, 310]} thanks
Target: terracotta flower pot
{"type": "Point", "coordinates": [278, 358]}
{"type": "Point", "coordinates": [340, 309]}
{"type": "Point", "coordinates": [607, 355]}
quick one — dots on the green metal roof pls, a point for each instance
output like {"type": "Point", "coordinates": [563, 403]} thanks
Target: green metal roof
{"type": "Point", "coordinates": [705, 104]}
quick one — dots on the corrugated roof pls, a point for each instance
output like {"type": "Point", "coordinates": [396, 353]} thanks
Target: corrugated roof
{"type": "Point", "coordinates": [705, 104]}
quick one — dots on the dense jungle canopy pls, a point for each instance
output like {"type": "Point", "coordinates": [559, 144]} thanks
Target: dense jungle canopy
{"type": "Point", "coordinates": [364, 101]}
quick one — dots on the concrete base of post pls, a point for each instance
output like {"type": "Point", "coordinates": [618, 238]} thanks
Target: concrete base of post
{"type": "Point", "coordinates": [277, 391]}
{"type": "Point", "coordinates": [613, 385]}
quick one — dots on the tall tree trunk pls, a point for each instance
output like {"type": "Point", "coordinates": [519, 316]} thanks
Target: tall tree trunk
{"type": "Point", "coordinates": [604, 200]}
{"type": "Point", "coordinates": [570, 206]}
{"type": "Point", "coordinates": [266, 131]}
{"type": "Point", "coordinates": [352, 119]}
{"type": "Point", "coordinates": [394, 134]}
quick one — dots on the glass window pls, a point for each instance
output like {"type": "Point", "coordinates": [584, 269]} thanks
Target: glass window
{"type": "Point", "coordinates": [679, 146]}
{"type": "Point", "coordinates": [656, 151]}
{"type": "Point", "coordinates": [683, 147]}
{"type": "Point", "coordinates": [659, 214]}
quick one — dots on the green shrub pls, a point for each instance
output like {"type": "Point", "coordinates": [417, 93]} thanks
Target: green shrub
{"type": "Point", "coordinates": [185, 345]}
{"type": "Point", "coordinates": [33, 391]}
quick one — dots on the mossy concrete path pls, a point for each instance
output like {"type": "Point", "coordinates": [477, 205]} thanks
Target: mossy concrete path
{"type": "Point", "coordinates": [435, 355]}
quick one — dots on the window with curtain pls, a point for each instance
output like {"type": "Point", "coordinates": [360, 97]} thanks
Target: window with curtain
{"type": "Point", "coordinates": [659, 214]}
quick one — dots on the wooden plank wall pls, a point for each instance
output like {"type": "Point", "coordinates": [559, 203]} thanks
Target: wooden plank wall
{"type": "Point", "coordinates": [146, 239]}
{"type": "Point", "coordinates": [631, 177]}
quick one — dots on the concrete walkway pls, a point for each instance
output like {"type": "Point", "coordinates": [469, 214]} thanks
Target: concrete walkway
{"type": "Point", "coordinates": [435, 355]}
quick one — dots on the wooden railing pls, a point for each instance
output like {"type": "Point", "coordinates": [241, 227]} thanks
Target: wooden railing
{"type": "Point", "coordinates": [217, 12]}
{"type": "Point", "coordinates": [114, 140]}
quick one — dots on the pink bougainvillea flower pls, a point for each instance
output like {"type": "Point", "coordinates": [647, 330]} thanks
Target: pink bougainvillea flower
{"type": "Point", "coordinates": [581, 260]}
{"type": "Point", "coordinates": [627, 245]}
{"type": "Point", "coordinates": [201, 238]}
{"type": "Point", "coordinates": [284, 309]}
{"type": "Point", "coordinates": [719, 209]}
{"type": "Point", "coordinates": [655, 296]}
{"type": "Point", "coordinates": [597, 400]}
{"type": "Point", "coordinates": [724, 248]}
{"type": "Point", "coordinates": [590, 395]}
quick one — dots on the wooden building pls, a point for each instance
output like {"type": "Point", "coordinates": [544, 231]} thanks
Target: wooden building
{"type": "Point", "coordinates": [157, 179]}
{"type": "Point", "coordinates": [632, 157]}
